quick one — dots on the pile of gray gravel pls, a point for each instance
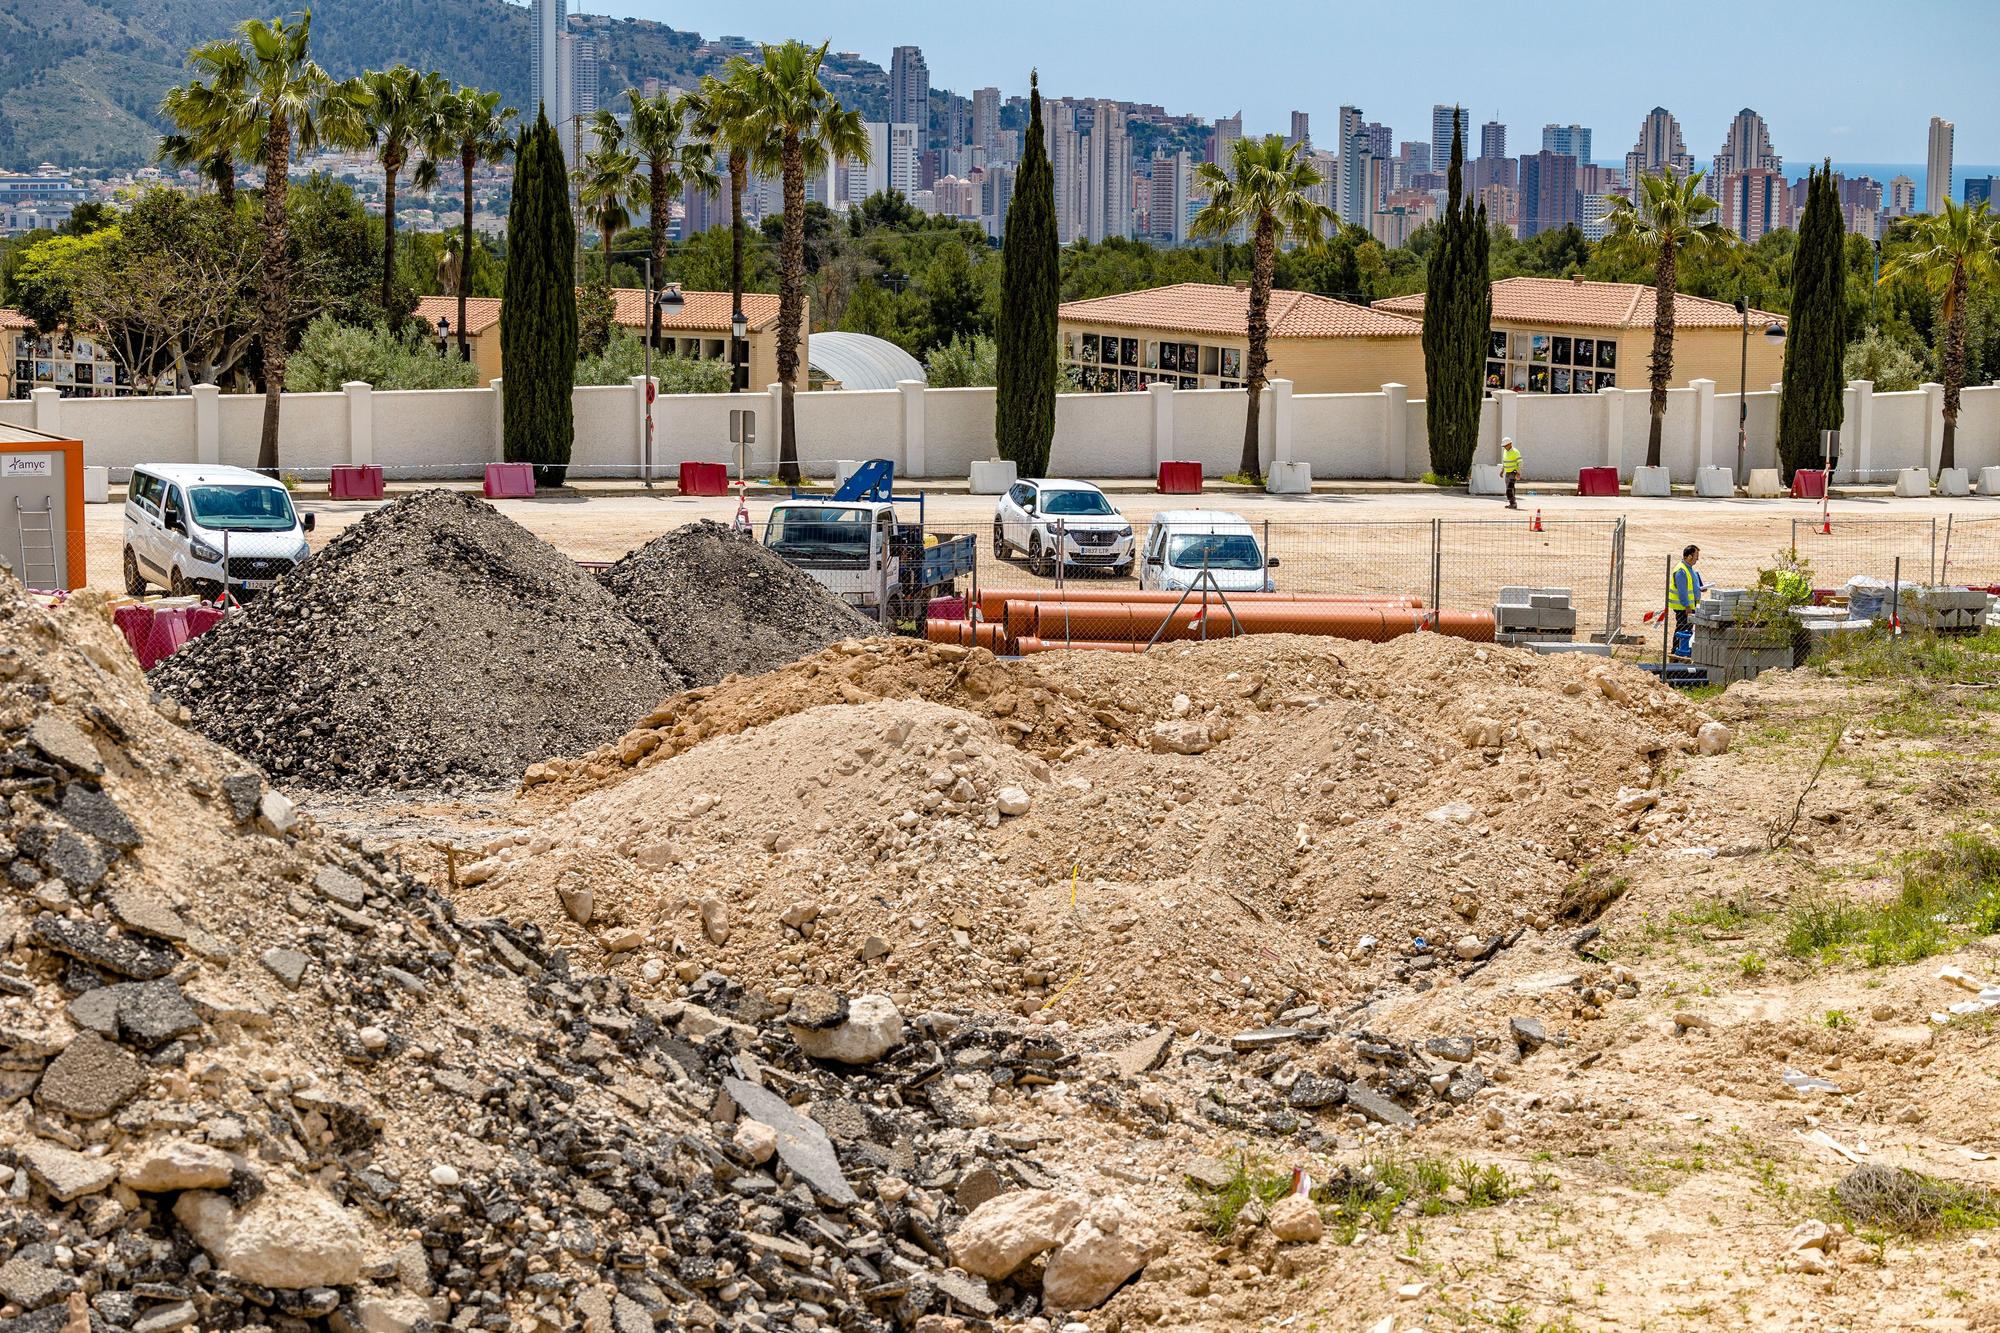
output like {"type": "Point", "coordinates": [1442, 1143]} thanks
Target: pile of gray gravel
{"type": "Point", "coordinates": [717, 603]}
{"type": "Point", "coordinates": [435, 643]}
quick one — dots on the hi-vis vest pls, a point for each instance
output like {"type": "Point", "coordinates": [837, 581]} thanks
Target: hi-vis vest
{"type": "Point", "coordinates": [1686, 588]}
{"type": "Point", "coordinates": [1511, 460]}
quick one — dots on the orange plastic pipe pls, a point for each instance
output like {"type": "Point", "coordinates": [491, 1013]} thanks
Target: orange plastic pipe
{"type": "Point", "coordinates": [992, 601]}
{"type": "Point", "coordinates": [1031, 644]}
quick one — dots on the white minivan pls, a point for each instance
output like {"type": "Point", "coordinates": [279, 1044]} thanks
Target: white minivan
{"type": "Point", "coordinates": [183, 520]}
{"type": "Point", "coordinates": [1183, 542]}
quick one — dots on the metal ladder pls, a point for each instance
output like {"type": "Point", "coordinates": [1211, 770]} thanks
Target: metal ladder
{"type": "Point", "coordinates": [36, 529]}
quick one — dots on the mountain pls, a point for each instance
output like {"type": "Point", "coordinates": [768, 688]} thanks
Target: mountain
{"type": "Point", "coordinates": [81, 80]}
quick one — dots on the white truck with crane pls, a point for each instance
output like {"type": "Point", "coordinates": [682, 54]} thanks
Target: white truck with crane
{"type": "Point", "coordinates": [857, 545]}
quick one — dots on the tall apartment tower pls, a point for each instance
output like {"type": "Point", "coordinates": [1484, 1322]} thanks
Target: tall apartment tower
{"type": "Point", "coordinates": [1571, 139]}
{"type": "Point", "coordinates": [545, 56]}
{"type": "Point", "coordinates": [1937, 166]}
{"type": "Point", "coordinates": [1354, 198]}
{"type": "Point", "coordinates": [892, 159]}
{"type": "Point", "coordinates": [986, 121]}
{"type": "Point", "coordinates": [910, 90]}
{"type": "Point", "coordinates": [1301, 129]}
{"type": "Point", "coordinates": [1492, 143]}
{"type": "Point", "coordinates": [1104, 148]}
{"type": "Point", "coordinates": [1902, 197]}
{"type": "Point", "coordinates": [1441, 127]}
{"type": "Point", "coordinates": [1549, 196]}
{"type": "Point", "coordinates": [1065, 150]}
{"type": "Point", "coordinates": [1228, 129]}
{"type": "Point", "coordinates": [1660, 146]}
{"type": "Point", "coordinates": [1755, 201]}
{"type": "Point", "coordinates": [1746, 147]}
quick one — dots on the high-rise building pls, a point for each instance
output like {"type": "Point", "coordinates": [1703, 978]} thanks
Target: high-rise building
{"type": "Point", "coordinates": [1228, 129]}
{"type": "Point", "coordinates": [1549, 198]}
{"type": "Point", "coordinates": [1301, 129]}
{"type": "Point", "coordinates": [1659, 147]}
{"type": "Point", "coordinates": [957, 121]}
{"type": "Point", "coordinates": [1594, 215]}
{"type": "Point", "coordinates": [910, 91]}
{"type": "Point", "coordinates": [1860, 203]}
{"type": "Point", "coordinates": [549, 22]}
{"type": "Point", "coordinates": [1492, 143]}
{"type": "Point", "coordinates": [1755, 201]}
{"type": "Point", "coordinates": [1571, 139]}
{"type": "Point", "coordinates": [1503, 206]}
{"type": "Point", "coordinates": [1107, 182]}
{"type": "Point", "coordinates": [1167, 210]}
{"type": "Point", "coordinates": [986, 121]}
{"type": "Point", "coordinates": [1441, 128]}
{"type": "Point", "coordinates": [1981, 190]}
{"type": "Point", "coordinates": [1746, 147]}
{"type": "Point", "coordinates": [1902, 197]}
{"type": "Point", "coordinates": [1937, 166]}
{"type": "Point", "coordinates": [1381, 141]}
{"type": "Point", "coordinates": [583, 76]}
{"type": "Point", "coordinates": [1354, 197]}
{"type": "Point", "coordinates": [1416, 156]}
{"type": "Point", "coordinates": [996, 191]}
{"type": "Point", "coordinates": [892, 160]}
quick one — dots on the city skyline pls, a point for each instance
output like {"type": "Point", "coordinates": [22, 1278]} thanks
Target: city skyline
{"type": "Point", "coordinates": [1496, 71]}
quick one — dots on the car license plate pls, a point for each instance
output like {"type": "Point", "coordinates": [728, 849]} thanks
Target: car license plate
{"type": "Point", "coordinates": [256, 585]}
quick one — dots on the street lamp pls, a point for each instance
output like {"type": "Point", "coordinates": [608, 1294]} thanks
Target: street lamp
{"type": "Point", "coordinates": [739, 352]}
{"type": "Point", "coordinates": [1774, 332]}
{"type": "Point", "coordinates": [443, 335]}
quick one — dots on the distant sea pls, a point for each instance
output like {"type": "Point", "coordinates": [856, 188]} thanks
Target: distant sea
{"type": "Point", "coordinates": [1881, 171]}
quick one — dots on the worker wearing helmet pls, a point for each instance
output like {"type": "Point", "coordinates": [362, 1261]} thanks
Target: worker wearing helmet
{"type": "Point", "coordinates": [1510, 468]}
{"type": "Point", "coordinates": [1684, 592]}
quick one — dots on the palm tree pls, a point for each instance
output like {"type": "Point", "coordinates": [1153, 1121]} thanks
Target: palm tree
{"type": "Point", "coordinates": [476, 127]}
{"type": "Point", "coordinates": [610, 181]}
{"type": "Point", "coordinates": [288, 101]}
{"type": "Point", "coordinates": [1267, 190]}
{"type": "Point", "coordinates": [1953, 250]}
{"type": "Point", "coordinates": [721, 117]}
{"type": "Point", "coordinates": [675, 159]}
{"type": "Point", "coordinates": [406, 112]}
{"type": "Point", "coordinates": [204, 110]}
{"type": "Point", "coordinates": [790, 107]}
{"type": "Point", "coordinates": [1670, 216]}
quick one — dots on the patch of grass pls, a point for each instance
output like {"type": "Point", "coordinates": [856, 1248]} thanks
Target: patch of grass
{"type": "Point", "coordinates": [1838, 1018]}
{"type": "Point", "coordinates": [1423, 1186]}
{"type": "Point", "coordinates": [1252, 1181]}
{"type": "Point", "coordinates": [1905, 1202]}
{"type": "Point", "coordinates": [1948, 896]}
{"type": "Point", "coordinates": [1433, 479]}
{"type": "Point", "coordinates": [1720, 913]}
{"type": "Point", "coordinates": [1750, 966]}
{"type": "Point", "coordinates": [1879, 655]}
{"type": "Point", "coordinates": [1584, 898]}
{"type": "Point", "coordinates": [1242, 479]}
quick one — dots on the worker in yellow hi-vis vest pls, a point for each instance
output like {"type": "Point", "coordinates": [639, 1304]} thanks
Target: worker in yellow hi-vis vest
{"type": "Point", "coordinates": [1510, 468]}
{"type": "Point", "coordinates": [1683, 595]}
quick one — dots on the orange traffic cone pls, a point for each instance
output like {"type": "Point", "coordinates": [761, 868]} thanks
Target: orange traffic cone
{"type": "Point", "coordinates": [1536, 526]}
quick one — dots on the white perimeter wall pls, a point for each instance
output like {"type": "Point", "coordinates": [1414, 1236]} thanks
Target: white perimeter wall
{"type": "Point", "coordinates": [940, 432]}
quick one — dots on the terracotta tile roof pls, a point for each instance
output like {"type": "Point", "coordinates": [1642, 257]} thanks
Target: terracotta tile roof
{"type": "Point", "coordinates": [481, 312]}
{"type": "Point", "coordinates": [701, 312]}
{"type": "Point", "coordinates": [1598, 305]}
{"type": "Point", "coordinates": [1201, 307]}
{"type": "Point", "coordinates": [14, 319]}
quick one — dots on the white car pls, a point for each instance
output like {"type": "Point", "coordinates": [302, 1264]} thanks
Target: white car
{"type": "Point", "coordinates": [1094, 534]}
{"type": "Point", "coordinates": [1182, 543]}
{"type": "Point", "coordinates": [183, 520]}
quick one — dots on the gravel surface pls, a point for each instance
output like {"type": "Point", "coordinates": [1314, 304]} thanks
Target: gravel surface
{"type": "Point", "coordinates": [717, 604]}
{"type": "Point", "coordinates": [435, 643]}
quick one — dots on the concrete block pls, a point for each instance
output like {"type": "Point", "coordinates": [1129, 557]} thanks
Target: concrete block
{"type": "Point", "coordinates": [1913, 481]}
{"type": "Point", "coordinates": [1512, 595]}
{"type": "Point", "coordinates": [1989, 481]}
{"type": "Point", "coordinates": [1655, 482]}
{"type": "Point", "coordinates": [97, 485]}
{"type": "Point", "coordinates": [993, 476]}
{"type": "Point", "coordinates": [1558, 646]}
{"type": "Point", "coordinates": [1289, 479]}
{"type": "Point", "coordinates": [1954, 481]}
{"type": "Point", "coordinates": [1766, 483]}
{"type": "Point", "coordinates": [1485, 480]}
{"type": "Point", "coordinates": [1714, 483]}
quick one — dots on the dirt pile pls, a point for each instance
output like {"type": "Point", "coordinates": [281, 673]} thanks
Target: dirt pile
{"type": "Point", "coordinates": [251, 1078]}
{"type": "Point", "coordinates": [1194, 831]}
{"type": "Point", "coordinates": [717, 603]}
{"type": "Point", "coordinates": [434, 643]}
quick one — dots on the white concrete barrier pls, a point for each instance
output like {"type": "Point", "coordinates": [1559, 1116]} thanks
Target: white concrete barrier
{"type": "Point", "coordinates": [1989, 481]}
{"type": "Point", "coordinates": [97, 485]}
{"type": "Point", "coordinates": [1289, 479]}
{"type": "Point", "coordinates": [1714, 483]}
{"type": "Point", "coordinates": [1655, 482]}
{"type": "Point", "coordinates": [1767, 483]}
{"type": "Point", "coordinates": [1485, 479]}
{"type": "Point", "coordinates": [1954, 481]}
{"type": "Point", "coordinates": [1913, 481]}
{"type": "Point", "coordinates": [992, 476]}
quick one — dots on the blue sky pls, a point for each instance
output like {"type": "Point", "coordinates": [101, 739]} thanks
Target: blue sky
{"type": "Point", "coordinates": [1857, 82]}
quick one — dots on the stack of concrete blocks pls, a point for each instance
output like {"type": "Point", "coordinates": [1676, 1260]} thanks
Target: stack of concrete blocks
{"type": "Point", "coordinates": [1945, 610]}
{"type": "Point", "coordinates": [1534, 615]}
{"type": "Point", "coordinates": [1728, 645]}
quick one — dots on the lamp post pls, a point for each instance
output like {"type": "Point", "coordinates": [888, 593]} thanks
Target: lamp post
{"type": "Point", "coordinates": [1743, 397]}
{"type": "Point", "coordinates": [669, 302]}
{"type": "Point", "coordinates": [739, 352]}
{"type": "Point", "coordinates": [444, 335]}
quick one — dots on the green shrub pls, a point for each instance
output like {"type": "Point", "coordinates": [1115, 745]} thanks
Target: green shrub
{"type": "Point", "coordinates": [332, 354]}
{"type": "Point", "coordinates": [966, 362]}
{"type": "Point", "coordinates": [625, 356]}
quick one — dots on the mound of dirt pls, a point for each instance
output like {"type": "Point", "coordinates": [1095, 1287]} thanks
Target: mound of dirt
{"type": "Point", "coordinates": [718, 604]}
{"type": "Point", "coordinates": [1204, 826]}
{"type": "Point", "coordinates": [434, 643]}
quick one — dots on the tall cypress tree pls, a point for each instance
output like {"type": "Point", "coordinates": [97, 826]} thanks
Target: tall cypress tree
{"type": "Point", "coordinates": [1024, 421]}
{"type": "Point", "coordinates": [538, 326]}
{"type": "Point", "coordinates": [1817, 338]}
{"type": "Point", "coordinates": [1458, 308]}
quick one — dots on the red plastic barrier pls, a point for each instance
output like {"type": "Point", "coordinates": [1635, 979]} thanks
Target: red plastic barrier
{"type": "Point", "coordinates": [154, 633]}
{"type": "Point", "coordinates": [1809, 484]}
{"type": "Point", "coordinates": [946, 608]}
{"type": "Point", "coordinates": [510, 481]}
{"type": "Point", "coordinates": [355, 483]}
{"type": "Point", "coordinates": [1180, 478]}
{"type": "Point", "coordinates": [704, 479]}
{"type": "Point", "coordinates": [1597, 481]}
{"type": "Point", "coordinates": [134, 622]}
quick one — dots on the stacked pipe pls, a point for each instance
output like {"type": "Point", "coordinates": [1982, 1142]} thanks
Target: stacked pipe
{"type": "Point", "coordinates": [1028, 621]}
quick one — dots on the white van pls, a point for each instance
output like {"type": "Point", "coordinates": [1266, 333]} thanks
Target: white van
{"type": "Point", "coordinates": [1183, 542]}
{"type": "Point", "coordinates": [182, 520]}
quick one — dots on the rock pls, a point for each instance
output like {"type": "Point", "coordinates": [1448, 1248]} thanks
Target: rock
{"type": "Point", "coordinates": [90, 1079]}
{"type": "Point", "coordinates": [1378, 1108]}
{"type": "Point", "coordinates": [872, 948]}
{"type": "Point", "coordinates": [715, 920]}
{"type": "Point", "coordinates": [1712, 738]}
{"type": "Point", "coordinates": [1810, 1261]}
{"type": "Point", "coordinates": [802, 1145]}
{"type": "Point", "coordinates": [1209, 1174]}
{"type": "Point", "coordinates": [1612, 687]}
{"type": "Point", "coordinates": [800, 915]}
{"type": "Point", "coordinates": [1143, 1055]}
{"type": "Point", "coordinates": [64, 853]}
{"type": "Point", "coordinates": [1008, 1230]}
{"type": "Point", "coordinates": [1528, 1033]}
{"type": "Point", "coordinates": [578, 901]}
{"type": "Point", "coordinates": [90, 810]}
{"type": "Point", "coordinates": [146, 915]}
{"type": "Point", "coordinates": [152, 1013]}
{"type": "Point", "coordinates": [756, 1140]}
{"type": "Point", "coordinates": [1684, 1021]}
{"type": "Point", "coordinates": [338, 886]}
{"type": "Point", "coordinates": [444, 1176]}
{"type": "Point", "coordinates": [1012, 801]}
{"type": "Point", "coordinates": [1632, 800]}
{"type": "Point", "coordinates": [62, 740]}
{"type": "Point", "coordinates": [873, 1027]}
{"type": "Point", "coordinates": [64, 1174]}
{"type": "Point", "coordinates": [622, 941]}
{"type": "Point", "coordinates": [1310, 1092]}
{"type": "Point", "coordinates": [1295, 1218]}
{"type": "Point", "coordinates": [1180, 738]}
{"type": "Point", "coordinates": [1482, 733]}
{"type": "Point", "coordinates": [176, 1164]}
{"type": "Point", "coordinates": [381, 1312]}
{"type": "Point", "coordinates": [1457, 1050]}
{"type": "Point", "coordinates": [290, 1237]}
{"type": "Point", "coordinates": [287, 965]}
{"type": "Point", "coordinates": [97, 1010]}
{"type": "Point", "coordinates": [242, 791]}
{"type": "Point", "coordinates": [1256, 1039]}
{"type": "Point", "coordinates": [166, 1318]}
{"type": "Point", "coordinates": [940, 1323]}
{"type": "Point", "coordinates": [276, 814]}
{"type": "Point", "coordinates": [1456, 812]}
{"type": "Point", "coordinates": [1110, 1244]}
{"type": "Point", "coordinates": [31, 1285]}
{"type": "Point", "coordinates": [1469, 947]}
{"type": "Point", "coordinates": [816, 1008]}
{"type": "Point", "coordinates": [373, 1039]}
{"type": "Point", "coordinates": [126, 955]}
{"type": "Point", "coordinates": [1812, 1235]}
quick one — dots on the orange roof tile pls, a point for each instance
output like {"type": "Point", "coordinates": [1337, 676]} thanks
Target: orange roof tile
{"type": "Point", "coordinates": [14, 319]}
{"type": "Point", "coordinates": [701, 312]}
{"type": "Point", "coordinates": [1601, 305]}
{"type": "Point", "coordinates": [1202, 307]}
{"type": "Point", "coordinates": [481, 312]}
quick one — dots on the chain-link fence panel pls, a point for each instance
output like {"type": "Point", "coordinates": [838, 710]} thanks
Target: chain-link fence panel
{"type": "Point", "coordinates": [1969, 551]}
{"type": "Point", "coordinates": [1876, 548]}
{"type": "Point", "coordinates": [1479, 557]}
